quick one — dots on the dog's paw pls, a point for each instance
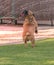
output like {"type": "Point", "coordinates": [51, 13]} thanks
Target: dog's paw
{"type": "Point", "coordinates": [36, 31]}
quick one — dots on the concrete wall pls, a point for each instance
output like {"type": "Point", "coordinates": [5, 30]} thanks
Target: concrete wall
{"type": "Point", "coordinates": [40, 22]}
{"type": "Point", "coordinates": [45, 22]}
{"type": "Point", "coordinates": [43, 9]}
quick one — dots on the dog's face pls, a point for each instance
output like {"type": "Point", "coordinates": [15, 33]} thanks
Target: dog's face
{"type": "Point", "coordinates": [27, 12]}
{"type": "Point", "coordinates": [24, 13]}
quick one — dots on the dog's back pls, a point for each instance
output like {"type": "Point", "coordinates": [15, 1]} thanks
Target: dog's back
{"type": "Point", "coordinates": [28, 29]}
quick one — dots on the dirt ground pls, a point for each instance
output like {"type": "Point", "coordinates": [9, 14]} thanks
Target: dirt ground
{"type": "Point", "coordinates": [12, 34]}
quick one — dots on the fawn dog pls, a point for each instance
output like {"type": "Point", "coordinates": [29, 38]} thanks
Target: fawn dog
{"type": "Point", "coordinates": [29, 27]}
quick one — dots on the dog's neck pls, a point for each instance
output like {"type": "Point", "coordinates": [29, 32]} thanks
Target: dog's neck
{"type": "Point", "coordinates": [29, 17]}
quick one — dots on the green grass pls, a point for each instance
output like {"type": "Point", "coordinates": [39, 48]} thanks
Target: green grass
{"type": "Point", "coordinates": [42, 54]}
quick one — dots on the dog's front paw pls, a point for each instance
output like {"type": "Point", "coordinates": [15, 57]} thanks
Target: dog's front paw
{"type": "Point", "coordinates": [36, 31]}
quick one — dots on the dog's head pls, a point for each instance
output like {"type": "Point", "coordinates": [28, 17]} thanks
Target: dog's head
{"type": "Point", "coordinates": [27, 12]}
{"type": "Point", "coordinates": [24, 13]}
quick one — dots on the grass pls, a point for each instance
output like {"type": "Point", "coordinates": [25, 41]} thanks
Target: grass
{"type": "Point", "coordinates": [42, 54]}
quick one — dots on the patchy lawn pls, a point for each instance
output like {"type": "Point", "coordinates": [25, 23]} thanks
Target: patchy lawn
{"type": "Point", "coordinates": [42, 54]}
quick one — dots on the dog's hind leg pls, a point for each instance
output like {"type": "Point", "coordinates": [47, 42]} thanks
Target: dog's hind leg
{"type": "Point", "coordinates": [25, 42]}
{"type": "Point", "coordinates": [33, 42]}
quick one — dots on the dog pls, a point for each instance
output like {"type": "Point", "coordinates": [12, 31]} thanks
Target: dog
{"type": "Point", "coordinates": [29, 27]}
